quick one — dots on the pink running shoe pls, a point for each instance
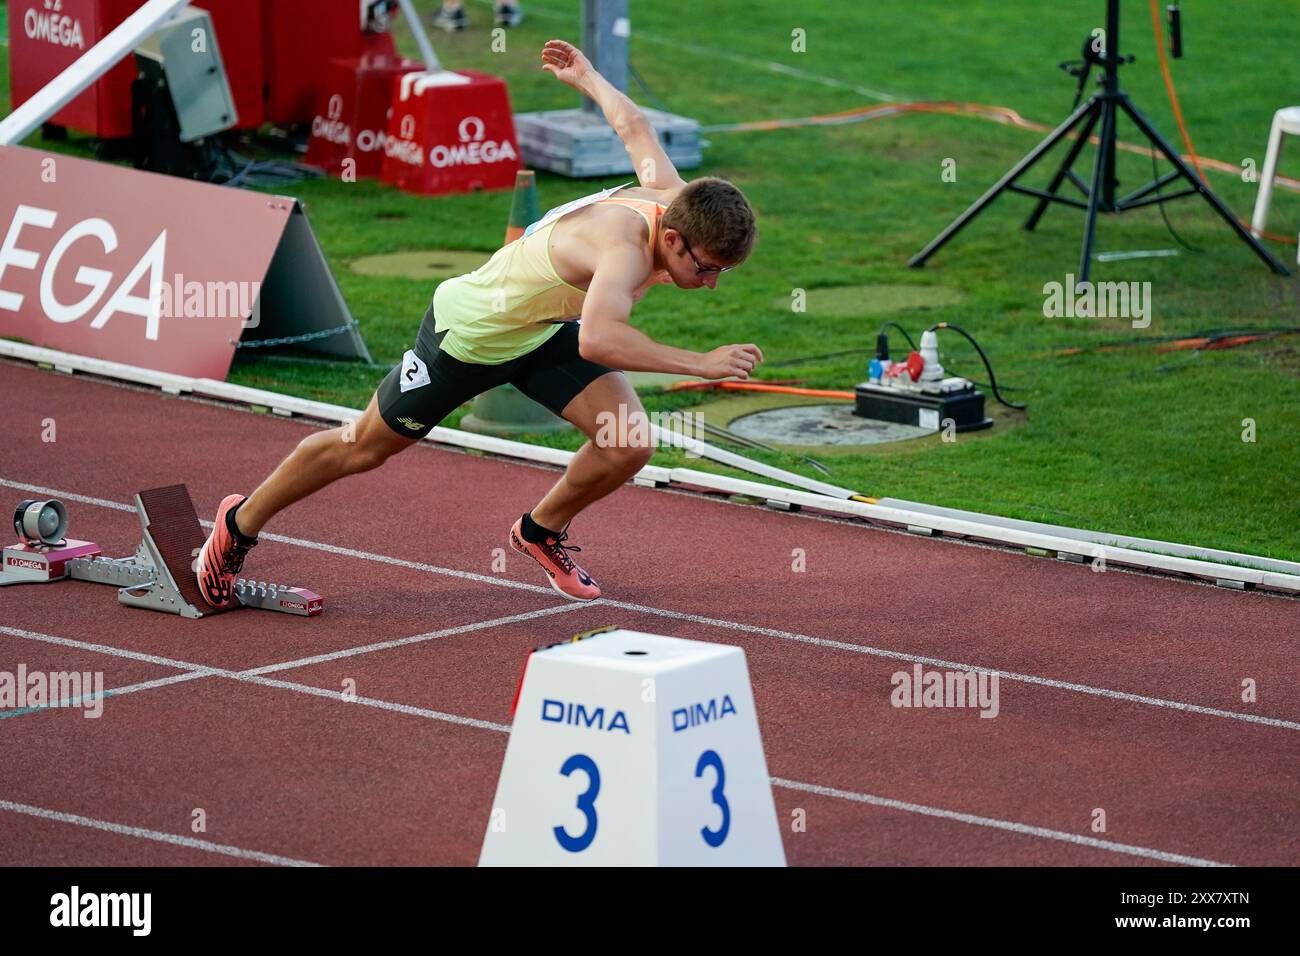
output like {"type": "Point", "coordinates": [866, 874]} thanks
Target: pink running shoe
{"type": "Point", "coordinates": [221, 558]}
{"type": "Point", "coordinates": [553, 555]}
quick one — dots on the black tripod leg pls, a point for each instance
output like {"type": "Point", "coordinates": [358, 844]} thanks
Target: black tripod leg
{"type": "Point", "coordinates": [1015, 172]}
{"type": "Point", "coordinates": [1172, 155]}
{"type": "Point", "coordinates": [1059, 178]}
{"type": "Point", "coordinates": [1099, 172]}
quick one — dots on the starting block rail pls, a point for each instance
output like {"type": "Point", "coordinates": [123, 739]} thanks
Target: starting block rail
{"type": "Point", "coordinates": [160, 575]}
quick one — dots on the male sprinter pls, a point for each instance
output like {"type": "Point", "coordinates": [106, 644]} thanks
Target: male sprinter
{"type": "Point", "coordinates": [511, 320]}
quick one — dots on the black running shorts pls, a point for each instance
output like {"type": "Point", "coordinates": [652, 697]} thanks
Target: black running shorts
{"type": "Point", "coordinates": [429, 384]}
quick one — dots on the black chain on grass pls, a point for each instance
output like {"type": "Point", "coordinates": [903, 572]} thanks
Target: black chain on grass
{"type": "Point", "coordinates": [295, 339]}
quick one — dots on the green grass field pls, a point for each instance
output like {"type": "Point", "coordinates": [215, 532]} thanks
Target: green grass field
{"type": "Point", "coordinates": [1131, 441]}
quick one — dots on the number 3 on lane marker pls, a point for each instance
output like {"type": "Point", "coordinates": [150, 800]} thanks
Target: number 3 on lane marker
{"type": "Point", "coordinates": [710, 758]}
{"type": "Point", "coordinates": [586, 803]}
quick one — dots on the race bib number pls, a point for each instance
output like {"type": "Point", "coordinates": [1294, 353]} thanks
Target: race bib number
{"type": "Point", "coordinates": [414, 372]}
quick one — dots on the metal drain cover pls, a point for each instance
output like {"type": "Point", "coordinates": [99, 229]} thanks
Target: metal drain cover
{"type": "Point", "coordinates": [821, 425]}
{"type": "Point", "coordinates": [423, 266]}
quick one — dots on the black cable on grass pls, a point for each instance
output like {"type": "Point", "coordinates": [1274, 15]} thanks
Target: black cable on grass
{"type": "Point", "coordinates": [895, 325]}
{"type": "Point", "coordinates": [828, 355]}
{"type": "Point", "coordinates": [815, 358]}
{"type": "Point", "coordinates": [993, 382]}
{"type": "Point", "coordinates": [1155, 173]}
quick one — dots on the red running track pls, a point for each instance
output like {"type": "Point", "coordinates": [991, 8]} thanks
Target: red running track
{"type": "Point", "coordinates": [1120, 691]}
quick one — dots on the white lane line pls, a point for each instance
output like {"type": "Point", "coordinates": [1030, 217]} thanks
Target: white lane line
{"type": "Point", "coordinates": [718, 53]}
{"type": "Point", "coordinates": [401, 562]}
{"type": "Point", "coordinates": [1009, 825]}
{"type": "Point", "coordinates": [753, 629]}
{"type": "Point", "coordinates": [417, 639]}
{"type": "Point", "coordinates": [771, 66]}
{"type": "Point", "coordinates": [446, 717]}
{"type": "Point", "coordinates": [196, 671]}
{"type": "Point", "coordinates": [255, 675]}
{"type": "Point", "coordinates": [200, 669]}
{"type": "Point", "coordinates": [122, 829]}
{"type": "Point", "coordinates": [66, 495]}
{"type": "Point", "coordinates": [74, 702]}
{"type": "Point", "coordinates": [956, 665]}
{"type": "Point", "coordinates": [412, 711]}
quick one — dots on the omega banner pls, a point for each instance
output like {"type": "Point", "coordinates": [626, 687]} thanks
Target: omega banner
{"type": "Point", "coordinates": [156, 271]}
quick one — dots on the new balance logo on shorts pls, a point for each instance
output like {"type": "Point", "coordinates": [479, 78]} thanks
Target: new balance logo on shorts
{"type": "Point", "coordinates": [414, 372]}
{"type": "Point", "coordinates": [411, 423]}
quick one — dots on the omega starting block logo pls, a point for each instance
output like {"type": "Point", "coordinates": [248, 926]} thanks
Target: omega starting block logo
{"type": "Point", "coordinates": [471, 149]}
{"type": "Point", "coordinates": [331, 126]}
{"type": "Point", "coordinates": [48, 23]}
{"type": "Point", "coordinates": [403, 147]}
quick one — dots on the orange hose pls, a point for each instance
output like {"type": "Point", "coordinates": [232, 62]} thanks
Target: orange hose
{"type": "Point", "coordinates": [1175, 345]}
{"type": "Point", "coordinates": [1208, 344]}
{"type": "Point", "coordinates": [758, 387]}
{"type": "Point", "coordinates": [1002, 114]}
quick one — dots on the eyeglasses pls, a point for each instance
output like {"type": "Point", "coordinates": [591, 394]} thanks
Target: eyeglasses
{"type": "Point", "coordinates": [699, 269]}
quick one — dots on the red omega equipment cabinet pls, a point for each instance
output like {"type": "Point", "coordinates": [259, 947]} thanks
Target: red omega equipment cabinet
{"type": "Point", "coordinates": [301, 37]}
{"type": "Point", "coordinates": [47, 36]}
{"type": "Point", "coordinates": [450, 132]}
{"type": "Point", "coordinates": [351, 118]}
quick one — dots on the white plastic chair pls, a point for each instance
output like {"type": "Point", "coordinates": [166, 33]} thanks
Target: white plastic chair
{"type": "Point", "coordinates": [1284, 121]}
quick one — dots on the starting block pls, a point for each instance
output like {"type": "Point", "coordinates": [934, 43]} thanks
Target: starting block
{"type": "Point", "coordinates": [633, 749]}
{"type": "Point", "coordinates": [160, 575]}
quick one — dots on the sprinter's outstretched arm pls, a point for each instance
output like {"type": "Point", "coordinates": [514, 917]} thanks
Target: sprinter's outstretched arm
{"type": "Point", "coordinates": [605, 337]}
{"type": "Point", "coordinates": [653, 167]}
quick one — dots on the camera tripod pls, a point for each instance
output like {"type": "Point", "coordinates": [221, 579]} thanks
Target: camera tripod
{"type": "Point", "coordinates": [1104, 108]}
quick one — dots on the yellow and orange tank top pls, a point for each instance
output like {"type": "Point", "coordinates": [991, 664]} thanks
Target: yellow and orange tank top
{"type": "Point", "coordinates": [516, 301]}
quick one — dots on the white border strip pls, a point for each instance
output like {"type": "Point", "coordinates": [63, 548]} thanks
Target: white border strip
{"type": "Point", "coordinates": [970, 528]}
{"type": "Point", "coordinates": [982, 527]}
{"type": "Point", "coordinates": [1093, 537]}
